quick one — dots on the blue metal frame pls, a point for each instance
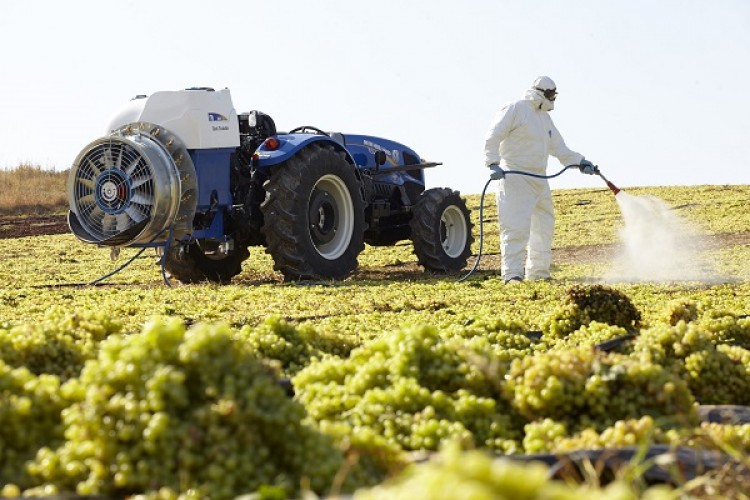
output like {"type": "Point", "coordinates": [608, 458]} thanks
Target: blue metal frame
{"type": "Point", "coordinates": [212, 171]}
{"type": "Point", "coordinates": [360, 150]}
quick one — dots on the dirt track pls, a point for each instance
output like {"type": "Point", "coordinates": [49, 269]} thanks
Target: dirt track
{"type": "Point", "coordinates": [18, 226]}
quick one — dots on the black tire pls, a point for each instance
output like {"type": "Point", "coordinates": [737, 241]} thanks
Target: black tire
{"type": "Point", "coordinates": [193, 264]}
{"type": "Point", "coordinates": [441, 230]}
{"type": "Point", "coordinates": [314, 215]}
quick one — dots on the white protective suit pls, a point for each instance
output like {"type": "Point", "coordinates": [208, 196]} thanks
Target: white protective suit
{"type": "Point", "coordinates": [522, 137]}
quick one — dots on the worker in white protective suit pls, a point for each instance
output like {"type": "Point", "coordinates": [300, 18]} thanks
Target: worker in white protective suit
{"type": "Point", "coordinates": [522, 137]}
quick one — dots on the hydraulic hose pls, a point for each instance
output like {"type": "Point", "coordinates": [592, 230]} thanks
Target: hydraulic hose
{"type": "Point", "coordinates": [481, 209]}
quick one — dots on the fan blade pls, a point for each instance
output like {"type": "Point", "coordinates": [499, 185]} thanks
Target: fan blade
{"type": "Point", "coordinates": [122, 222]}
{"type": "Point", "coordinates": [95, 170]}
{"type": "Point", "coordinates": [108, 223]}
{"type": "Point", "coordinates": [118, 164]}
{"type": "Point", "coordinates": [139, 182]}
{"type": "Point", "coordinates": [142, 199]}
{"type": "Point", "coordinates": [108, 162]}
{"type": "Point", "coordinates": [86, 200]}
{"type": "Point", "coordinates": [133, 164]}
{"type": "Point", "coordinates": [135, 213]}
{"type": "Point", "coordinates": [88, 183]}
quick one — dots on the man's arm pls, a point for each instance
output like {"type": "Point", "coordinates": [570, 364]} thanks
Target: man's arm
{"type": "Point", "coordinates": [501, 126]}
{"type": "Point", "coordinates": [559, 150]}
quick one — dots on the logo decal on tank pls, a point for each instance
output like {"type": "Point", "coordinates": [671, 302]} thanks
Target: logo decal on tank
{"type": "Point", "coordinates": [216, 117]}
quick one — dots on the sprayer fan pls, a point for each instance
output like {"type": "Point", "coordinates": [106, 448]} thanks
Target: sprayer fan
{"type": "Point", "coordinates": [113, 189]}
{"type": "Point", "coordinates": [130, 186]}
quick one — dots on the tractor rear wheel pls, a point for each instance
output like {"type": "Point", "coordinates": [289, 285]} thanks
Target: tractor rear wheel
{"type": "Point", "coordinates": [200, 261]}
{"type": "Point", "coordinates": [314, 215]}
{"type": "Point", "coordinates": [441, 230]}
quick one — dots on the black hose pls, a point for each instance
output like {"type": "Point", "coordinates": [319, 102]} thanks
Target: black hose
{"type": "Point", "coordinates": [481, 210]}
{"type": "Point", "coordinates": [138, 254]}
{"type": "Point", "coordinates": [481, 232]}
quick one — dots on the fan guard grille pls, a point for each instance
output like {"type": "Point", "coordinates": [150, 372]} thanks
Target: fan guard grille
{"type": "Point", "coordinates": [113, 188]}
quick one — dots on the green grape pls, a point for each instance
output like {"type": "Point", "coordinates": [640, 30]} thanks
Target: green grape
{"type": "Point", "coordinates": [293, 348]}
{"type": "Point", "coordinates": [589, 335]}
{"type": "Point", "coordinates": [683, 310]}
{"type": "Point", "coordinates": [30, 418]}
{"type": "Point", "coordinates": [583, 305]}
{"type": "Point", "coordinates": [473, 474]}
{"type": "Point", "coordinates": [414, 388]}
{"type": "Point", "coordinates": [183, 411]}
{"type": "Point", "coordinates": [542, 435]}
{"type": "Point", "coordinates": [719, 375]}
{"type": "Point", "coordinates": [582, 388]}
{"type": "Point", "coordinates": [59, 344]}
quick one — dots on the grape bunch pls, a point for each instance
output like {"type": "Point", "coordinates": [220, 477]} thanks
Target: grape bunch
{"type": "Point", "coordinates": [59, 344]}
{"type": "Point", "coordinates": [581, 388]}
{"type": "Point", "coordinates": [727, 328]}
{"type": "Point", "coordinates": [682, 310]}
{"type": "Point", "coordinates": [414, 388]}
{"type": "Point", "coordinates": [30, 408]}
{"type": "Point", "coordinates": [716, 372]}
{"type": "Point", "coordinates": [719, 375]}
{"type": "Point", "coordinates": [473, 474]}
{"type": "Point", "coordinates": [183, 411]}
{"type": "Point", "coordinates": [292, 347]}
{"type": "Point", "coordinates": [583, 305]}
{"type": "Point", "coordinates": [589, 335]}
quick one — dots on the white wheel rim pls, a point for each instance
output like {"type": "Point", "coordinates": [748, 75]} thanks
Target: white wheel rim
{"type": "Point", "coordinates": [453, 231]}
{"type": "Point", "coordinates": [343, 227]}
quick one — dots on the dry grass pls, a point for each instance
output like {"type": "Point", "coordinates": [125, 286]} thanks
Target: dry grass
{"type": "Point", "coordinates": [29, 189]}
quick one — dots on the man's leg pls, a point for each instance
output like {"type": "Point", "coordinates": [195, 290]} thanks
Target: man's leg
{"type": "Point", "coordinates": [514, 208]}
{"type": "Point", "coordinates": [540, 238]}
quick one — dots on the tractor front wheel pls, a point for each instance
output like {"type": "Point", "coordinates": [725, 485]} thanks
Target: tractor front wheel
{"type": "Point", "coordinates": [441, 230]}
{"type": "Point", "coordinates": [202, 261]}
{"type": "Point", "coordinates": [314, 215]}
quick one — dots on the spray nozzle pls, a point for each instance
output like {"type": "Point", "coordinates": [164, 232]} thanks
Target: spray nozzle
{"type": "Point", "coordinates": [609, 184]}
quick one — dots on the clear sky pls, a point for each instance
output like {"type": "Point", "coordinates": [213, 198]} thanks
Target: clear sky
{"type": "Point", "coordinates": [656, 92]}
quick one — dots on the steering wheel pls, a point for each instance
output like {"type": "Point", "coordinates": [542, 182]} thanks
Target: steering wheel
{"type": "Point", "coordinates": [304, 130]}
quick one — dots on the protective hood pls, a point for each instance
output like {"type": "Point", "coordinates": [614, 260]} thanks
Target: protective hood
{"type": "Point", "coordinates": [541, 102]}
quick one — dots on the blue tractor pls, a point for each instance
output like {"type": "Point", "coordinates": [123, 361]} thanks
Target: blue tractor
{"type": "Point", "coordinates": [183, 172]}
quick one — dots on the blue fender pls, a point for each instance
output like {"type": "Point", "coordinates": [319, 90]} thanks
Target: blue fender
{"type": "Point", "coordinates": [290, 144]}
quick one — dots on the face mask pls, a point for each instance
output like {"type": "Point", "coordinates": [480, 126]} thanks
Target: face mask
{"type": "Point", "coordinates": [549, 94]}
{"type": "Point", "coordinates": [548, 103]}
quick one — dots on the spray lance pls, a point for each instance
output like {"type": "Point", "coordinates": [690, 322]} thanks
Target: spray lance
{"type": "Point", "coordinates": [609, 184]}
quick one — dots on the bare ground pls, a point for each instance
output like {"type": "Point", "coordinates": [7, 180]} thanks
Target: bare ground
{"type": "Point", "coordinates": [18, 226]}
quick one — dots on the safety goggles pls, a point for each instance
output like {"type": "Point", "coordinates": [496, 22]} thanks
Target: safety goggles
{"type": "Point", "coordinates": [550, 94]}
